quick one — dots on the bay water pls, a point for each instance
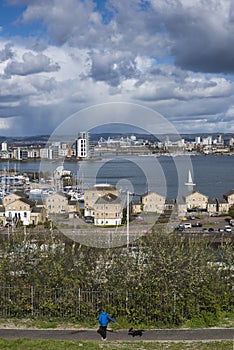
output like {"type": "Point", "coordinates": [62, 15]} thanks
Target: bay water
{"type": "Point", "coordinates": [213, 175]}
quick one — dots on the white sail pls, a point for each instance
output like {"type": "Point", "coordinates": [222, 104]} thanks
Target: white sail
{"type": "Point", "coordinates": [190, 180]}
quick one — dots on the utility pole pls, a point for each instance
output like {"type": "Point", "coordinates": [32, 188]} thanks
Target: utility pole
{"type": "Point", "coordinates": [127, 218]}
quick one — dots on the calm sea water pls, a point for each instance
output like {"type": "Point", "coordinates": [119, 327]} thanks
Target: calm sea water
{"type": "Point", "coordinates": [213, 175]}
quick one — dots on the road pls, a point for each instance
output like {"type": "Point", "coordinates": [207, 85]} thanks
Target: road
{"type": "Point", "coordinates": [210, 334]}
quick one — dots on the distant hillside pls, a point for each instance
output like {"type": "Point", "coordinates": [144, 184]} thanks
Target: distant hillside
{"type": "Point", "coordinates": [25, 139]}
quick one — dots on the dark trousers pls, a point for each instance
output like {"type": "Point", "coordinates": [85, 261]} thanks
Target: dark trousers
{"type": "Point", "coordinates": [102, 331]}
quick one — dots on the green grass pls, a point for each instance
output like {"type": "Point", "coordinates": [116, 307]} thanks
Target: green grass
{"type": "Point", "coordinates": [28, 344]}
{"type": "Point", "coordinates": [225, 320]}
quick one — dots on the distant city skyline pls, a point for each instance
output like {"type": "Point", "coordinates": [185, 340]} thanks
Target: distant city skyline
{"type": "Point", "coordinates": [174, 57]}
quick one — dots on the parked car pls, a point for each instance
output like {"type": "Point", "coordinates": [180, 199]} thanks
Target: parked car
{"type": "Point", "coordinates": [89, 219]}
{"type": "Point", "coordinates": [180, 227]}
{"type": "Point", "coordinates": [191, 217]}
{"type": "Point", "coordinates": [221, 229]}
{"type": "Point", "coordinates": [205, 229]}
{"type": "Point", "coordinates": [196, 224]}
{"type": "Point", "coordinates": [227, 228]}
{"type": "Point", "coordinates": [139, 219]}
{"type": "Point", "coordinates": [187, 225]}
{"type": "Point", "coordinates": [211, 229]}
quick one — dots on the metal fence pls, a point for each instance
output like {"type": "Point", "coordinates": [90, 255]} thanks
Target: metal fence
{"type": "Point", "coordinates": [30, 301]}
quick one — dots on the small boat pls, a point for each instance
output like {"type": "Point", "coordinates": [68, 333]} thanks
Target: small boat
{"type": "Point", "coordinates": [190, 180]}
{"type": "Point", "coordinates": [35, 191]}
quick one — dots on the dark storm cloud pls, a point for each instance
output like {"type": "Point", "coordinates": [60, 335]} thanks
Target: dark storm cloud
{"type": "Point", "coordinates": [31, 64]}
{"type": "Point", "coordinates": [202, 36]}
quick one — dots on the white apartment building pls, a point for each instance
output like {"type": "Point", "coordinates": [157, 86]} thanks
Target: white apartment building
{"type": "Point", "coordinates": [4, 146]}
{"type": "Point", "coordinates": [207, 141]}
{"type": "Point", "coordinates": [82, 145]}
{"type": "Point", "coordinates": [46, 153]}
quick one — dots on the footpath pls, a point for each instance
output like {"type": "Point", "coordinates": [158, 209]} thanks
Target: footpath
{"type": "Point", "coordinates": [207, 334]}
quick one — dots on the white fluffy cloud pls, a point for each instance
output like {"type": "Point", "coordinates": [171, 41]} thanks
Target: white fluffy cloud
{"type": "Point", "coordinates": [31, 64]}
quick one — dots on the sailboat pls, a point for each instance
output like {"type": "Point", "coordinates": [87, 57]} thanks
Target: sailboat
{"type": "Point", "coordinates": [190, 180]}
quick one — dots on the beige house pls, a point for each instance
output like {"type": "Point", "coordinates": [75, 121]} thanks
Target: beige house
{"type": "Point", "coordinates": [93, 193]}
{"type": "Point", "coordinates": [196, 200]}
{"type": "Point", "coordinates": [223, 206]}
{"type": "Point", "coordinates": [73, 208]}
{"type": "Point", "coordinates": [13, 197]}
{"type": "Point", "coordinates": [153, 202]}
{"type": "Point", "coordinates": [212, 206]}
{"type": "Point", "coordinates": [229, 196]}
{"type": "Point", "coordinates": [56, 203]}
{"type": "Point", "coordinates": [38, 214]}
{"type": "Point", "coordinates": [170, 204]}
{"type": "Point", "coordinates": [108, 210]}
{"type": "Point", "coordinates": [24, 210]}
{"type": "Point", "coordinates": [136, 206]}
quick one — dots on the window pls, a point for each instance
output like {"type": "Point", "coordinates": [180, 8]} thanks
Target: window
{"type": "Point", "coordinates": [25, 214]}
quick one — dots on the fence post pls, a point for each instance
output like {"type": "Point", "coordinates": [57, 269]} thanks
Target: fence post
{"type": "Point", "coordinates": [174, 307]}
{"type": "Point", "coordinates": [32, 299]}
{"type": "Point", "coordinates": [174, 302]}
{"type": "Point", "coordinates": [126, 300]}
{"type": "Point", "coordinates": [79, 296]}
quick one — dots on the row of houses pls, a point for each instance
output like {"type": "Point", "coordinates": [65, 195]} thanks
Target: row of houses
{"type": "Point", "coordinates": [105, 204]}
{"type": "Point", "coordinates": [193, 202]}
{"type": "Point", "coordinates": [17, 207]}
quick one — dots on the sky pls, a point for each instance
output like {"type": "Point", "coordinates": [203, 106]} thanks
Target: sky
{"type": "Point", "coordinates": [175, 57]}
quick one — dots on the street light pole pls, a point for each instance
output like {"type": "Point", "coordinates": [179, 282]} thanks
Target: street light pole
{"type": "Point", "coordinates": [127, 218]}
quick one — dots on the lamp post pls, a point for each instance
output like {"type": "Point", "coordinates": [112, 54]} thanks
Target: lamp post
{"type": "Point", "coordinates": [127, 219]}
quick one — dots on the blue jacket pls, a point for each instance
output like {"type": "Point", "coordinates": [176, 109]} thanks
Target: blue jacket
{"type": "Point", "coordinates": [104, 318]}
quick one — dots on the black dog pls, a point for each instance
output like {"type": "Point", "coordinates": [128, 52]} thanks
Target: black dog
{"type": "Point", "coordinates": [135, 332]}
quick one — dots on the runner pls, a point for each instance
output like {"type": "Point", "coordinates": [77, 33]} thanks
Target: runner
{"type": "Point", "coordinates": [104, 319]}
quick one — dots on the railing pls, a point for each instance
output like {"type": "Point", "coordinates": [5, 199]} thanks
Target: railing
{"type": "Point", "coordinates": [149, 307]}
{"type": "Point", "coordinates": [30, 301]}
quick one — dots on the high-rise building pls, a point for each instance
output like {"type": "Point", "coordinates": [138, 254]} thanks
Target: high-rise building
{"type": "Point", "coordinates": [198, 139]}
{"type": "Point", "coordinates": [82, 145]}
{"type": "Point", "coordinates": [220, 139]}
{"type": "Point", "coordinates": [4, 146]}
